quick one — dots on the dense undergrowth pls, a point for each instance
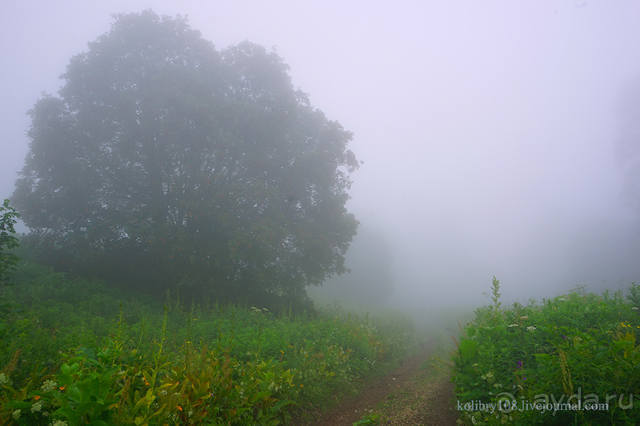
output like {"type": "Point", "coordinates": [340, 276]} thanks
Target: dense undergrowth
{"type": "Point", "coordinates": [76, 352]}
{"type": "Point", "coordinates": [573, 359]}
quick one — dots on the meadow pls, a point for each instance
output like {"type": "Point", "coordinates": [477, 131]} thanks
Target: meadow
{"type": "Point", "coordinates": [572, 359]}
{"type": "Point", "coordinates": [75, 351]}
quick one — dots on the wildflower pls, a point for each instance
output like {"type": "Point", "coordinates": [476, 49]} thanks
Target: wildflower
{"type": "Point", "coordinates": [513, 325]}
{"type": "Point", "coordinates": [524, 317]}
{"type": "Point", "coordinates": [36, 407]}
{"type": "Point", "coordinates": [16, 414]}
{"type": "Point", "coordinates": [48, 385]}
{"type": "Point", "coordinates": [520, 363]}
{"type": "Point", "coordinates": [531, 328]}
{"type": "Point", "coordinates": [37, 397]}
{"type": "Point", "coordinates": [179, 408]}
{"type": "Point", "coordinates": [4, 380]}
{"type": "Point", "coordinates": [59, 423]}
{"type": "Point", "coordinates": [62, 388]}
{"type": "Point", "coordinates": [635, 308]}
{"type": "Point", "coordinates": [487, 376]}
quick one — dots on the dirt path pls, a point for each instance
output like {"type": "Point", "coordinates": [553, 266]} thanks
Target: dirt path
{"type": "Point", "coordinates": [413, 394]}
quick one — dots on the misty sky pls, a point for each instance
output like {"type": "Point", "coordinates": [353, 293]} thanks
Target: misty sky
{"type": "Point", "coordinates": [490, 131]}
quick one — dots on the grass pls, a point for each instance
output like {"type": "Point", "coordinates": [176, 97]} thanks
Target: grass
{"type": "Point", "coordinates": [579, 350]}
{"type": "Point", "coordinates": [76, 352]}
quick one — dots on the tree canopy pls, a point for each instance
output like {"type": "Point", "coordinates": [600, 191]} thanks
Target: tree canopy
{"type": "Point", "coordinates": [164, 161]}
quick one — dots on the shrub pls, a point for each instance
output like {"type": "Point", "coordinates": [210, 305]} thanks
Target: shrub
{"type": "Point", "coordinates": [577, 348]}
{"type": "Point", "coordinates": [8, 240]}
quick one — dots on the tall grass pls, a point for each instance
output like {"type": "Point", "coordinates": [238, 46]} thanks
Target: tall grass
{"type": "Point", "coordinates": [76, 351]}
{"type": "Point", "coordinates": [578, 350]}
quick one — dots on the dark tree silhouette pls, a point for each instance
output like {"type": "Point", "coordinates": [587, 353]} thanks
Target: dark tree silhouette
{"type": "Point", "coordinates": [165, 162]}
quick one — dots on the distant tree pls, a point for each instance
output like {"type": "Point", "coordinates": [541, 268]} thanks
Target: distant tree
{"type": "Point", "coordinates": [8, 240]}
{"type": "Point", "coordinates": [369, 281]}
{"type": "Point", "coordinates": [165, 161]}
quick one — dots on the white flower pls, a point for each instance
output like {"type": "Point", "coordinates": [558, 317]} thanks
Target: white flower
{"type": "Point", "coordinates": [487, 376]}
{"type": "Point", "coordinates": [531, 328]}
{"type": "Point", "coordinates": [4, 380]}
{"type": "Point", "coordinates": [48, 385]}
{"type": "Point", "coordinates": [512, 325]}
{"type": "Point", "coordinates": [59, 423]}
{"type": "Point", "coordinates": [635, 308]}
{"type": "Point", "coordinates": [36, 407]}
{"type": "Point", "coordinates": [16, 414]}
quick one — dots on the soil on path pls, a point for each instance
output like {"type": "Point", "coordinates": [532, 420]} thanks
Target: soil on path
{"type": "Point", "coordinates": [416, 393]}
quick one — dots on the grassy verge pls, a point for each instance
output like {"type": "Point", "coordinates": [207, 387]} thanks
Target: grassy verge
{"type": "Point", "coordinates": [75, 352]}
{"type": "Point", "coordinates": [573, 359]}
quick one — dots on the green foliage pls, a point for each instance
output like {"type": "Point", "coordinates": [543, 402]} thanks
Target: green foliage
{"type": "Point", "coordinates": [8, 240]}
{"type": "Point", "coordinates": [167, 163]}
{"type": "Point", "coordinates": [634, 295]}
{"type": "Point", "coordinates": [79, 352]}
{"type": "Point", "coordinates": [495, 293]}
{"type": "Point", "coordinates": [370, 419]}
{"type": "Point", "coordinates": [580, 346]}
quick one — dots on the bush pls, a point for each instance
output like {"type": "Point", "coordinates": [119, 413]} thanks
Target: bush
{"type": "Point", "coordinates": [578, 348]}
{"type": "Point", "coordinates": [8, 240]}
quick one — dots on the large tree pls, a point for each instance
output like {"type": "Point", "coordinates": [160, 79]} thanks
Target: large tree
{"type": "Point", "coordinates": [164, 162]}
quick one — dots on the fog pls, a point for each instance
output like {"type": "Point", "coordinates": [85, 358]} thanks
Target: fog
{"type": "Point", "coordinates": [497, 138]}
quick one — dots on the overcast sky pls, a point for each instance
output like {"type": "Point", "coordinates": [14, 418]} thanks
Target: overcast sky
{"type": "Point", "coordinates": [490, 130]}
